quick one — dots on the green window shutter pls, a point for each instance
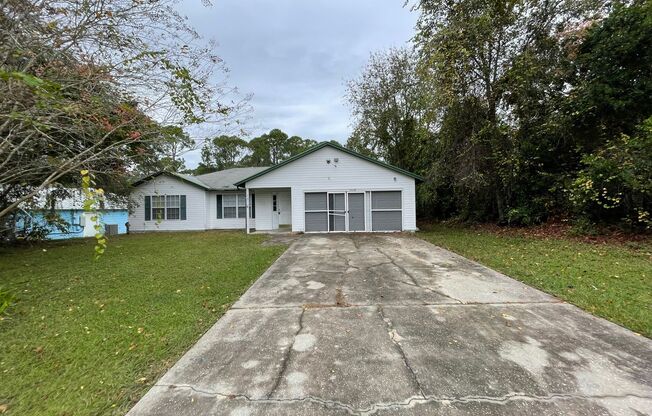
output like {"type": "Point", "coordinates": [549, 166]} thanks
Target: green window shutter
{"type": "Point", "coordinates": [252, 202]}
{"type": "Point", "coordinates": [182, 205]}
{"type": "Point", "coordinates": [148, 208]}
{"type": "Point", "coordinates": [219, 206]}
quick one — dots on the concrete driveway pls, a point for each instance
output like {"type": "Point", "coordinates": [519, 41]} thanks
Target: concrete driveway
{"type": "Point", "coordinates": [390, 324]}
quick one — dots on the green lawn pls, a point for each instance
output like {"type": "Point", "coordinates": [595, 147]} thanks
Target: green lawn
{"type": "Point", "coordinates": [613, 281]}
{"type": "Point", "coordinates": [89, 337]}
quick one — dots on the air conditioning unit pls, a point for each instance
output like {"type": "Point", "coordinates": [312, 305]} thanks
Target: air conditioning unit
{"type": "Point", "coordinates": [111, 229]}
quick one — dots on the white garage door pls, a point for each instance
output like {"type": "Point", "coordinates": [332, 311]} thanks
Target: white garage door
{"type": "Point", "coordinates": [386, 211]}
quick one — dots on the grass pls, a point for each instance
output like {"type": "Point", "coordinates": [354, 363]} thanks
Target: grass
{"type": "Point", "coordinates": [613, 281]}
{"type": "Point", "coordinates": [88, 337]}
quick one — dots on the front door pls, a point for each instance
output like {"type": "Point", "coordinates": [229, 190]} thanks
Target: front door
{"type": "Point", "coordinates": [356, 211]}
{"type": "Point", "coordinates": [275, 212]}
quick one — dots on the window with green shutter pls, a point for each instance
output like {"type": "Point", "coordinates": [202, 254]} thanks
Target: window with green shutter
{"type": "Point", "coordinates": [148, 208]}
{"type": "Point", "coordinates": [218, 204]}
{"type": "Point", "coordinates": [165, 207]}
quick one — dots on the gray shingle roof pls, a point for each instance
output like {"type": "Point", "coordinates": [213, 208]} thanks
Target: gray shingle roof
{"type": "Point", "coordinates": [220, 180]}
{"type": "Point", "coordinates": [191, 178]}
{"type": "Point", "coordinates": [225, 179]}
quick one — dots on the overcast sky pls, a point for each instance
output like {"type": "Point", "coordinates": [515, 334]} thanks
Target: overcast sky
{"type": "Point", "coordinates": [295, 56]}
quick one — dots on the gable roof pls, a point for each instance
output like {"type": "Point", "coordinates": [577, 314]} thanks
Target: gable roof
{"type": "Point", "coordinates": [334, 146]}
{"type": "Point", "coordinates": [220, 180]}
{"type": "Point", "coordinates": [225, 179]}
{"type": "Point", "coordinates": [184, 177]}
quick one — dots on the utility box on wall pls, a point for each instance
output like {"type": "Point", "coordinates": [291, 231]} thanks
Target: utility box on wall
{"type": "Point", "coordinates": [111, 229]}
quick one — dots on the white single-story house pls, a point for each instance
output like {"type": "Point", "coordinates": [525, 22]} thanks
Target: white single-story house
{"type": "Point", "coordinates": [327, 188]}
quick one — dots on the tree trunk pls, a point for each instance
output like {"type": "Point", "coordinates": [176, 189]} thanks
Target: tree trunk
{"type": "Point", "coordinates": [500, 207]}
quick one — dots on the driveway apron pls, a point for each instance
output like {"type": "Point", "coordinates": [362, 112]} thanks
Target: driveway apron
{"type": "Point", "coordinates": [388, 324]}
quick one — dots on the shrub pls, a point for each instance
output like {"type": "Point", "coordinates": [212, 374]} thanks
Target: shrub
{"type": "Point", "coordinates": [615, 183]}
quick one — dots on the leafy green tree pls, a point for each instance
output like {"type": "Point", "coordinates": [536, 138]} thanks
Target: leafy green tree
{"type": "Point", "coordinates": [87, 85]}
{"type": "Point", "coordinates": [612, 80]}
{"type": "Point", "coordinates": [168, 151]}
{"type": "Point", "coordinates": [273, 147]}
{"type": "Point", "coordinates": [223, 152]}
{"type": "Point", "coordinates": [389, 107]}
{"type": "Point", "coordinates": [615, 182]}
{"type": "Point", "coordinates": [502, 61]}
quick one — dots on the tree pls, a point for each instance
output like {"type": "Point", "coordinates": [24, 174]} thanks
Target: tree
{"type": "Point", "coordinates": [274, 147]}
{"type": "Point", "coordinates": [389, 107]}
{"type": "Point", "coordinates": [165, 153]}
{"type": "Point", "coordinates": [502, 60]}
{"type": "Point", "coordinates": [174, 145]}
{"type": "Point", "coordinates": [223, 152]}
{"type": "Point", "coordinates": [615, 182]}
{"type": "Point", "coordinates": [87, 85]}
{"type": "Point", "coordinates": [612, 79]}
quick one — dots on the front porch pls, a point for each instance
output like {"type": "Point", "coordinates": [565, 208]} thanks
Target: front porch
{"type": "Point", "coordinates": [271, 208]}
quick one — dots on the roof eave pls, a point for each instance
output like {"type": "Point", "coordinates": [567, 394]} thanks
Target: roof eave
{"type": "Point", "coordinates": [172, 174]}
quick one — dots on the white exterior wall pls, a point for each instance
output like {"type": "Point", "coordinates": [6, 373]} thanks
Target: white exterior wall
{"type": "Point", "coordinates": [224, 223]}
{"type": "Point", "coordinates": [166, 185]}
{"type": "Point", "coordinates": [264, 211]}
{"type": "Point", "coordinates": [312, 173]}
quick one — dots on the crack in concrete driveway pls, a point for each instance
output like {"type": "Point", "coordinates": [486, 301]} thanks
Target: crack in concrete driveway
{"type": "Point", "coordinates": [389, 324]}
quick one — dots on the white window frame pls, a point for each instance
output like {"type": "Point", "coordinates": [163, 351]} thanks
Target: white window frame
{"type": "Point", "coordinates": [154, 207]}
{"type": "Point", "coordinates": [168, 206]}
{"type": "Point", "coordinates": [165, 207]}
{"type": "Point", "coordinates": [232, 204]}
{"type": "Point", "coordinates": [240, 202]}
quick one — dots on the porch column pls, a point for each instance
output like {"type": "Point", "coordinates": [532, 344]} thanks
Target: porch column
{"type": "Point", "coordinates": [248, 213]}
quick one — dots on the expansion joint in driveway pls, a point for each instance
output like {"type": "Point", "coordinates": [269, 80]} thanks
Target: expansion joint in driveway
{"type": "Point", "coordinates": [408, 402]}
{"type": "Point", "coordinates": [455, 337]}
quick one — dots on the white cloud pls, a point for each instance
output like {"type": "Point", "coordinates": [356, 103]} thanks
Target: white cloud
{"type": "Point", "coordinates": [295, 56]}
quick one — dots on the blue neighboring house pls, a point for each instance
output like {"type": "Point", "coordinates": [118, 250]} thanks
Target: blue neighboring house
{"type": "Point", "coordinates": [70, 210]}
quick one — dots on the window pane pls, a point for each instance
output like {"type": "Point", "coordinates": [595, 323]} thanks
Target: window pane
{"type": "Point", "coordinates": [315, 201]}
{"type": "Point", "coordinates": [228, 200]}
{"type": "Point", "coordinates": [336, 222]}
{"type": "Point", "coordinates": [158, 202]}
{"type": "Point", "coordinates": [229, 212]}
{"type": "Point", "coordinates": [158, 214]}
{"type": "Point", "coordinates": [336, 202]}
{"type": "Point", "coordinates": [316, 221]}
{"type": "Point", "coordinates": [386, 221]}
{"type": "Point", "coordinates": [173, 213]}
{"type": "Point", "coordinates": [386, 200]}
{"type": "Point", "coordinates": [173, 201]}
{"type": "Point", "coordinates": [242, 202]}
